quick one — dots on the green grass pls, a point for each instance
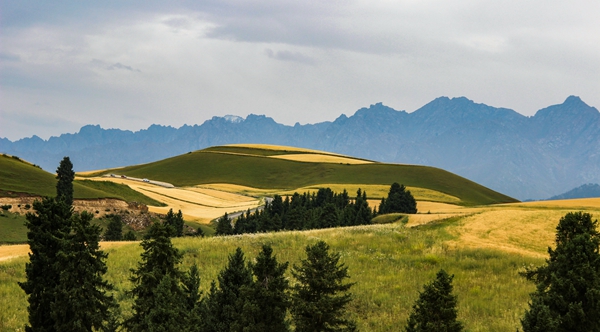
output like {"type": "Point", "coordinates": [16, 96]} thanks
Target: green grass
{"type": "Point", "coordinates": [390, 218]}
{"type": "Point", "coordinates": [19, 177]}
{"type": "Point", "coordinates": [12, 228]}
{"type": "Point", "coordinates": [389, 263]}
{"type": "Point", "coordinates": [205, 167]}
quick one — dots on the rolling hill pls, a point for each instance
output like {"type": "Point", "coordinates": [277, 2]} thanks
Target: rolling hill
{"type": "Point", "coordinates": [18, 177]}
{"type": "Point", "coordinates": [286, 168]}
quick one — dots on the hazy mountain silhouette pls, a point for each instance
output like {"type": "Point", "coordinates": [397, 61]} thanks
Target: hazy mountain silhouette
{"type": "Point", "coordinates": [584, 191]}
{"type": "Point", "coordinates": [524, 157]}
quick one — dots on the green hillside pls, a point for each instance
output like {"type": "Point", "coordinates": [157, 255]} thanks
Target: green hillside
{"type": "Point", "coordinates": [253, 168]}
{"type": "Point", "coordinates": [20, 177]}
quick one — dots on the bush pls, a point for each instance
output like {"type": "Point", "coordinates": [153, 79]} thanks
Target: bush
{"type": "Point", "coordinates": [129, 236]}
{"type": "Point", "coordinates": [6, 207]}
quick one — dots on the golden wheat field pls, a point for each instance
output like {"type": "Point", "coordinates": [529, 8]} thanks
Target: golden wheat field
{"type": "Point", "coordinates": [321, 158]}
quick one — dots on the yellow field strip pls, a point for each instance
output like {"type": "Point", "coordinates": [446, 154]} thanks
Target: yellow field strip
{"type": "Point", "coordinates": [8, 252]}
{"type": "Point", "coordinates": [321, 158]}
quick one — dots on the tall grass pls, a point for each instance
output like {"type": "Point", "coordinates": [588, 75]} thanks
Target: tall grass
{"type": "Point", "coordinates": [389, 263]}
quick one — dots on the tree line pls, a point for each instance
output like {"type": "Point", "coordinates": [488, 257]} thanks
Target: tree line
{"type": "Point", "coordinates": [323, 209]}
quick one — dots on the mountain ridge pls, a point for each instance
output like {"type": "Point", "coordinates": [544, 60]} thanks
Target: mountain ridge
{"type": "Point", "coordinates": [533, 157]}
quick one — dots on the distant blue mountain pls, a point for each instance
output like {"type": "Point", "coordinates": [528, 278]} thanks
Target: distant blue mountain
{"type": "Point", "coordinates": [524, 157]}
{"type": "Point", "coordinates": [589, 190]}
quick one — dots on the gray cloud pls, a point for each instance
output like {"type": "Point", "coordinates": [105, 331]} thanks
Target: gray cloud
{"type": "Point", "coordinates": [289, 56]}
{"type": "Point", "coordinates": [196, 59]}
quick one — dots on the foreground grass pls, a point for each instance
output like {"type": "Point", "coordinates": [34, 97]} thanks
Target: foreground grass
{"type": "Point", "coordinates": [389, 263]}
{"type": "Point", "coordinates": [12, 228]}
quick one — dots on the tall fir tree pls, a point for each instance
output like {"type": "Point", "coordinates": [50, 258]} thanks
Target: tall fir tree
{"type": "Point", "coordinates": [47, 229]}
{"type": "Point", "coordinates": [399, 200]}
{"type": "Point", "coordinates": [114, 229]}
{"type": "Point", "coordinates": [435, 309]}
{"type": "Point", "coordinates": [267, 299]}
{"type": "Point", "coordinates": [159, 261]}
{"type": "Point", "coordinates": [175, 221]}
{"type": "Point", "coordinates": [81, 299]}
{"type": "Point", "coordinates": [224, 226]}
{"type": "Point", "coordinates": [64, 186]}
{"type": "Point", "coordinates": [223, 305]}
{"type": "Point", "coordinates": [317, 304]}
{"type": "Point", "coordinates": [567, 296]}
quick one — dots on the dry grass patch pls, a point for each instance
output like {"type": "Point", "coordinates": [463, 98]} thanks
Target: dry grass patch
{"type": "Point", "coordinates": [526, 232]}
{"type": "Point", "coordinates": [321, 158]}
{"type": "Point", "coordinates": [12, 251]}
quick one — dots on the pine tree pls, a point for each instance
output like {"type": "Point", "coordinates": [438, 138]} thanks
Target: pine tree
{"type": "Point", "coordinates": [267, 299]}
{"type": "Point", "coordinates": [114, 229]}
{"type": "Point", "coordinates": [435, 309]}
{"type": "Point", "coordinates": [399, 200]}
{"type": "Point", "coordinates": [193, 301]}
{"type": "Point", "coordinates": [81, 300]}
{"type": "Point", "coordinates": [175, 221]}
{"type": "Point", "coordinates": [65, 176]}
{"type": "Point", "coordinates": [224, 305]}
{"type": "Point", "coordinates": [167, 314]}
{"type": "Point", "coordinates": [159, 260]}
{"type": "Point", "coordinates": [47, 229]}
{"type": "Point", "coordinates": [567, 297]}
{"type": "Point", "coordinates": [224, 226]}
{"type": "Point", "coordinates": [316, 302]}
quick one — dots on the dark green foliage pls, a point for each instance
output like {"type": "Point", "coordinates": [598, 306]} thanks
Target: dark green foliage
{"type": "Point", "coordinates": [167, 312]}
{"type": "Point", "coordinates": [317, 304]}
{"type": "Point", "coordinates": [114, 229]}
{"type": "Point", "coordinates": [199, 232]}
{"type": "Point", "coordinates": [307, 211]}
{"type": "Point", "coordinates": [399, 200]}
{"type": "Point", "coordinates": [223, 305]}
{"type": "Point", "coordinates": [81, 300]}
{"type": "Point", "coordinates": [129, 236]}
{"type": "Point", "coordinates": [435, 309]}
{"type": "Point", "coordinates": [64, 275]}
{"type": "Point", "coordinates": [48, 229]}
{"type": "Point", "coordinates": [192, 294]}
{"type": "Point", "coordinates": [175, 221]}
{"type": "Point", "coordinates": [6, 207]}
{"type": "Point", "coordinates": [267, 300]}
{"type": "Point", "coordinates": [224, 226]}
{"type": "Point", "coordinates": [567, 297]}
{"type": "Point", "coordinates": [157, 268]}
{"type": "Point", "coordinates": [64, 186]}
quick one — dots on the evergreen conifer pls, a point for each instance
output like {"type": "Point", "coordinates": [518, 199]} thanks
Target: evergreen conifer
{"type": "Point", "coordinates": [267, 299]}
{"type": "Point", "coordinates": [64, 186]}
{"type": "Point", "coordinates": [223, 305]}
{"type": "Point", "coordinates": [435, 309]}
{"type": "Point", "coordinates": [159, 261]}
{"type": "Point", "coordinates": [567, 297]}
{"type": "Point", "coordinates": [317, 304]}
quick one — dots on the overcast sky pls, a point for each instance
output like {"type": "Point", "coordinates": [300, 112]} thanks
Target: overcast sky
{"type": "Point", "coordinates": [129, 64]}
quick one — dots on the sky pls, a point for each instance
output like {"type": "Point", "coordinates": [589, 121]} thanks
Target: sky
{"type": "Point", "coordinates": [130, 64]}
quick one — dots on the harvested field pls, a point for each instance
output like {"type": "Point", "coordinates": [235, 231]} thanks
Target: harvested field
{"type": "Point", "coordinates": [321, 158]}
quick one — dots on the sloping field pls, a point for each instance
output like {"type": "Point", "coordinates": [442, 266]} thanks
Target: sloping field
{"type": "Point", "coordinates": [196, 203]}
{"type": "Point", "coordinates": [257, 171]}
{"type": "Point", "coordinates": [18, 177]}
{"type": "Point", "coordinates": [321, 158]}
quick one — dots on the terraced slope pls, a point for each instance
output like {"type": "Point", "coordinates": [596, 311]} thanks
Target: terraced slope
{"type": "Point", "coordinates": [264, 166]}
{"type": "Point", "coordinates": [18, 177]}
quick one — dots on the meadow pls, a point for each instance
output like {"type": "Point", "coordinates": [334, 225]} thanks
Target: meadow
{"type": "Point", "coordinates": [485, 247]}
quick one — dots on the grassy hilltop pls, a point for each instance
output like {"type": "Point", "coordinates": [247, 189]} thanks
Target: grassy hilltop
{"type": "Point", "coordinates": [18, 177]}
{"type": "Point", "coordinates": [264, 166]}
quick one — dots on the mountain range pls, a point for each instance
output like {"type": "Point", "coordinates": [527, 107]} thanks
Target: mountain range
{"type": "Point", "coordinates": [534, 157]}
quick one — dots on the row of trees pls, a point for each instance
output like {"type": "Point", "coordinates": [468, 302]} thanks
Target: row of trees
{"type": "Point", "coordinates": [247, 296]}
{"type": "Point", "coordinates": [322, 209]}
